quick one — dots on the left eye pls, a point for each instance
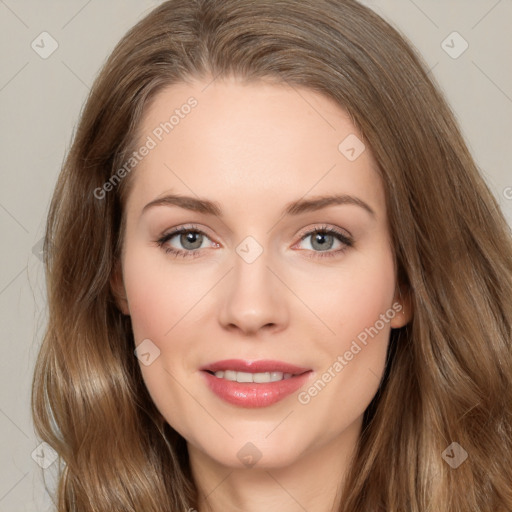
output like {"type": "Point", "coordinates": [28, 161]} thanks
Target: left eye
{"type": "Point", "coordinates": [323, 239]}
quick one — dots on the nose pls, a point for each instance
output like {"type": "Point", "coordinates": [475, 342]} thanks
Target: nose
{"type": "Point", "coordinates": [253, 297]}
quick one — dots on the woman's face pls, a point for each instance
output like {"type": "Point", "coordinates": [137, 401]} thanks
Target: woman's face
{"type": "Point", "coordinates": [269, 274]}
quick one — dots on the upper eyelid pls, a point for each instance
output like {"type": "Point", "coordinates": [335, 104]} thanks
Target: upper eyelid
{"type": "Point", "coordinates": [185, 228]}
{"type": "Point", "coordinates": [324, 227]}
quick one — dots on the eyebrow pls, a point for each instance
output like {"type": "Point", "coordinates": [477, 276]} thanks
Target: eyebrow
{"type": "Point", "coordinates": [294, 208]}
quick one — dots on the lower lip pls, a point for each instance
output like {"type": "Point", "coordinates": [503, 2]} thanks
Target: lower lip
{"type": "Point", "coordinates": [250, 394]}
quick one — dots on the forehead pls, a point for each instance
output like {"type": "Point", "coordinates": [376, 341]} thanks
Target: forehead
{"type": "Point", "coordinates": [244, 143]}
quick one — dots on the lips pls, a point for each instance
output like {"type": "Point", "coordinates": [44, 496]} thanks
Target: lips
{"type": "Point", "coordinates": [261, 366]}
{"type": "Point", "coordinates": [254, 383]}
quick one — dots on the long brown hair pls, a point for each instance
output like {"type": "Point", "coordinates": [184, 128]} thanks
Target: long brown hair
{"type": "Point", "coordinates": [449, 373]}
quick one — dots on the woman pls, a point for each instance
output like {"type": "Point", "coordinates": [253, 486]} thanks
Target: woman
{"type": "Point", "coordinates": [250, 371]}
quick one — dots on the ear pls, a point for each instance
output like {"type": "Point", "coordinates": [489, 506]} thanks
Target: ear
{"type": "Point", "coordinates": [402, 305]}
{"type": "Point", "coordinates": [118, 290]}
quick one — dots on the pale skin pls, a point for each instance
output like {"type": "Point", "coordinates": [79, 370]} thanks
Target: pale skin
{"type": "Point", "coordinates": [255, 148]}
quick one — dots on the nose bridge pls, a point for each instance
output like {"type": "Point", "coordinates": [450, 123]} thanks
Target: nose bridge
{"type": "Point", "coordinates": [253, 298]}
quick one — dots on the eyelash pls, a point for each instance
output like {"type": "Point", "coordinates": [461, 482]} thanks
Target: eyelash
{"type": "Point", "coordinates": [346, 241]}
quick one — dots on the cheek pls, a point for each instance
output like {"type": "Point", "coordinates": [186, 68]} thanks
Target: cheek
{"type": "Point", "coordinates": [147, 310]}
{"type": "Point", "coordinates": [368, 296]}
{"type": "Point", "coordinates": [359, 310]}
{"type": "Point", "coordinates": [158, 298]}
{"type": "Point", "coordinates": [352, 299]}
{"type": "Point", "coordinates": [158, 293]}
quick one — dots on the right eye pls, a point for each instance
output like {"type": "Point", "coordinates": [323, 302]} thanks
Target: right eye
{"type": "Point", "coordinates": [190, 238]}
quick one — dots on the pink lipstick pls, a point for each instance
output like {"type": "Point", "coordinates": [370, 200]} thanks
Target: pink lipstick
{"type": "Point", "coordinates": [253, 384]}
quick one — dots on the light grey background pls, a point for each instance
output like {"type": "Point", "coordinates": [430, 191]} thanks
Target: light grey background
{"type": "Point", "coordinates": [40, 102]}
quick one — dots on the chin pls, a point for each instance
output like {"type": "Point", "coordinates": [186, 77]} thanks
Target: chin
{"type": "Point", "coordinates": [253, 450]}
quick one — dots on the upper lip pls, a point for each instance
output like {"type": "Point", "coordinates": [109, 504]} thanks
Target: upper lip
{"type": "Point", "coordinates": [261, 366]}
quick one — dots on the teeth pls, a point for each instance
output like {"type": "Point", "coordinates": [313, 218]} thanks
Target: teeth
{"type": "Point", "coordinates": [244, 377]}
{"type": "Point", "coordinates": [252, 377]}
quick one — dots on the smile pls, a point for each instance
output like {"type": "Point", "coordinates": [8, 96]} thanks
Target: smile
{"type": "Point", "coordinates": [259, 378]}
{"type": "Point", "coordinates": [254, 384]}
